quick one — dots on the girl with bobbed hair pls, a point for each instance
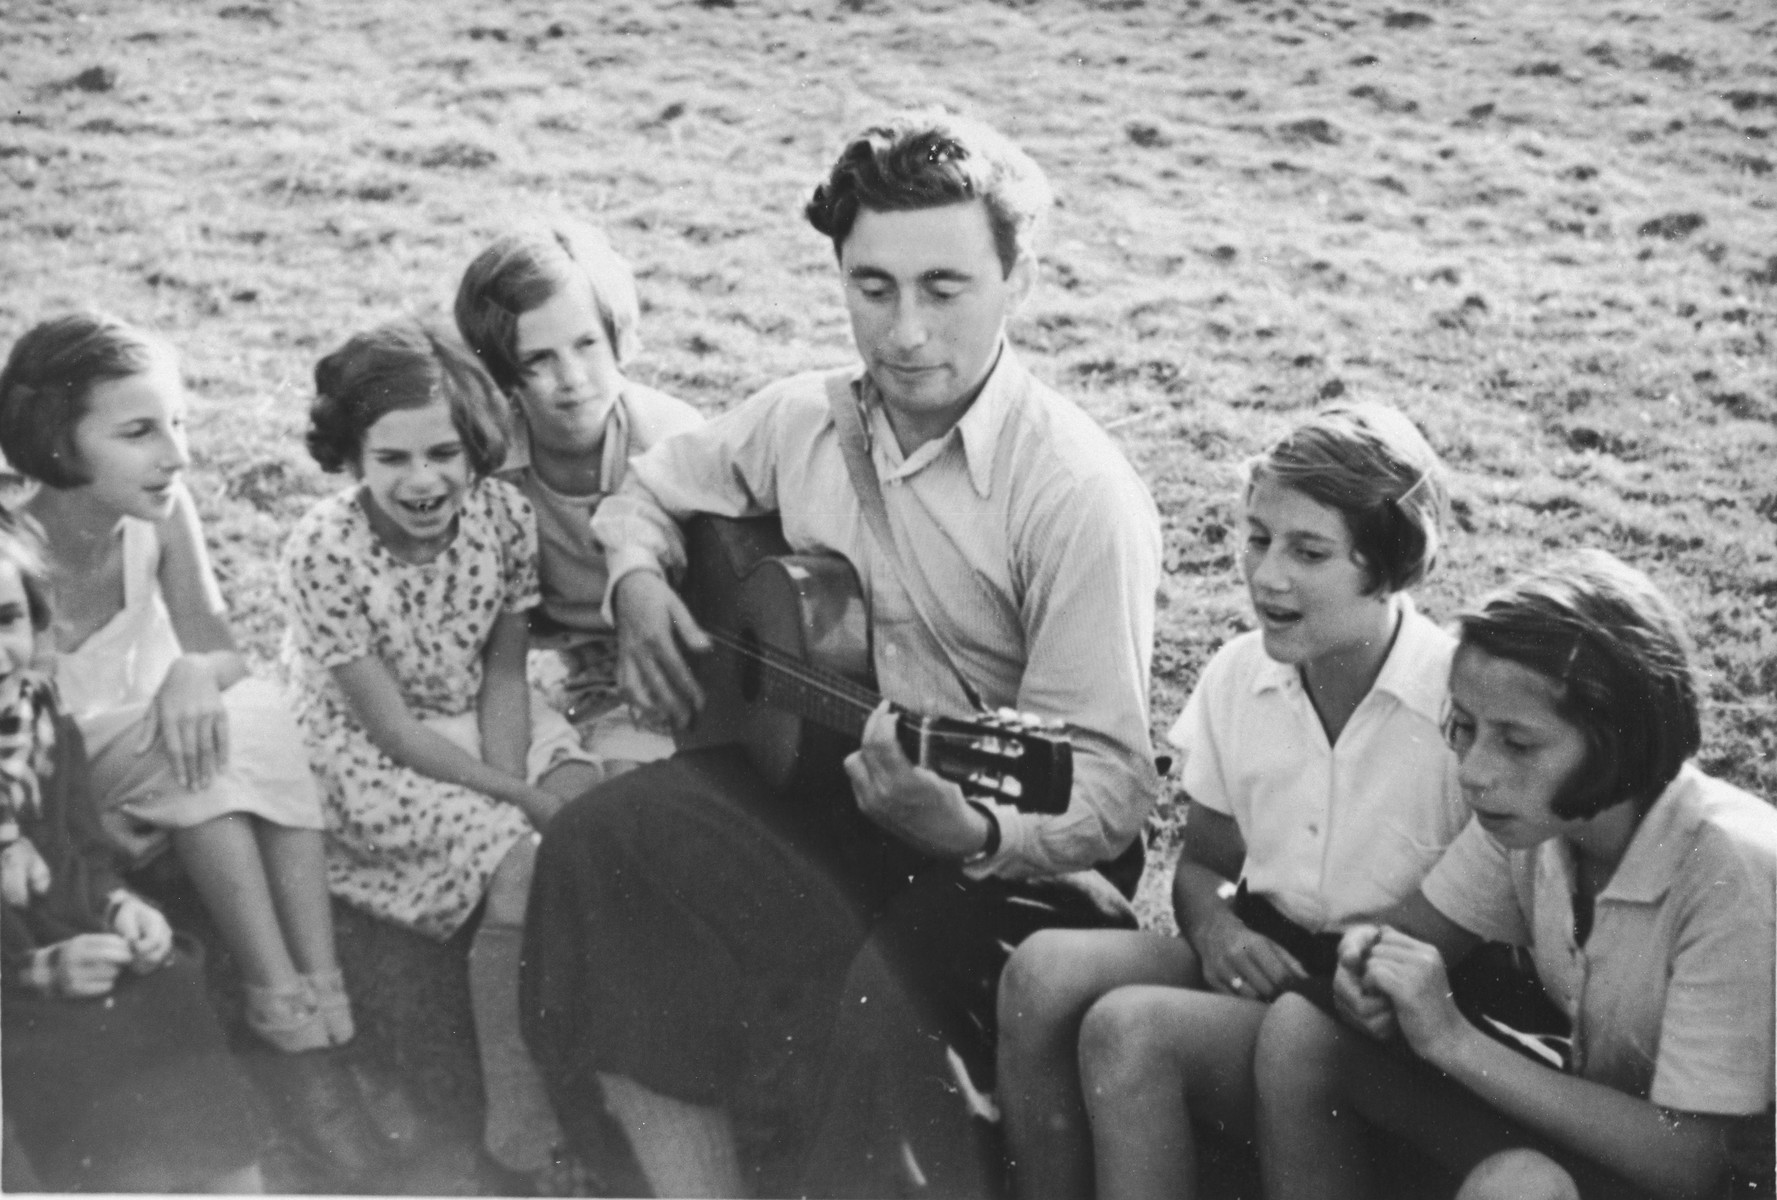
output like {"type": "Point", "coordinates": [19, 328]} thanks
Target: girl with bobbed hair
{"type": "Point", "coordinates": [187, 748]}
{"type": "Point", "coordinates": [408, 593]}
{"type": "Point", "coordinates": [550, 309]}
{"type": "Point", "coordinates": [1314, 776]}
{"type": "Point", "coordinates": [1644, 890]}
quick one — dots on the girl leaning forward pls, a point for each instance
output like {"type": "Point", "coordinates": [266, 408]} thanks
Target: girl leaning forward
{"type": "Point", "coordinates": [408, 595]}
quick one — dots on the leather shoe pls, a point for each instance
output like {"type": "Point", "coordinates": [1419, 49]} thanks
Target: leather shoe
{"type": "Point", "coordinates": [394, 1116]}
{"type": "Point", "coordinates": [319, 1102]}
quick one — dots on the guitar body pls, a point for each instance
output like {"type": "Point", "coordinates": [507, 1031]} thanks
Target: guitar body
{"type": "Point", "coordinates": [743, 578]}
{"type": "Point", "coordinates": [791, 677]}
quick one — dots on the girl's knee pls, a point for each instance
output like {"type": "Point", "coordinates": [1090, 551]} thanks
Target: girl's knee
{"type": "Point", "coordinates": [570, 780]}
{"type": "Point", "coordinates": [1296, 1045]}
{"type": "Point", "coordinates": [1042, 983]}
{"type": "Point", "coordinates": [509, 890]}
{"type": "Point", "coordinates": [1121, 1040]}
{"type": "Point", "coordinates": [1057, 974]}
{"type": "Point", "coordinates": [1518, 1175]}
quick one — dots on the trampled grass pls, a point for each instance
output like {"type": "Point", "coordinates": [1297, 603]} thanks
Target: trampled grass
{"type": "Point", "coordinates": [1545, 230]}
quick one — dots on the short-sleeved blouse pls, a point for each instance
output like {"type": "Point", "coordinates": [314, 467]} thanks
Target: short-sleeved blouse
{"type": "Point", "coordinates": [401, 845]}
{"type": "Point", "coordinates": [1332, 831]}
{"type": "Point", "coordinates": [1671, 994]}
{"type": "Point", "coordinates": [428, 622]}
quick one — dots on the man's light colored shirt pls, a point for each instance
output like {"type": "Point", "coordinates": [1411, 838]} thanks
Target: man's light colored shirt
{"type": "Point", "coordinates": [1332, 832]}
{"type": "Point", "coordinates": [1026, 521]}
{"type": "Point", "coordinates": [1671, 996]}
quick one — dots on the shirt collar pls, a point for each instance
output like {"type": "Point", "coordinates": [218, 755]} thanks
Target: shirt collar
{"type": "Point", "coordinates": [981, 427]}
{"type": "Point", "coordinates": [1402, 676]}
{"type": "Point", "coordinates": [616, 446]}
{"type": "Point", "coordinates": [1661, 842]}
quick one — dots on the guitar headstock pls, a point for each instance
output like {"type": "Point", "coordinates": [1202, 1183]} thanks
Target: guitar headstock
{"type": "Point", "coordinates": [1006, 757]}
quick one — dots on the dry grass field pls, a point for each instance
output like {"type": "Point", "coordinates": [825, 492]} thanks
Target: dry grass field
{"type": "Point", "coordinates": [1547, 230]}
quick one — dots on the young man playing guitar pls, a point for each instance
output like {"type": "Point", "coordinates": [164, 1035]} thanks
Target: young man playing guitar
{"type": "Point", "coordinates": [788, 987]}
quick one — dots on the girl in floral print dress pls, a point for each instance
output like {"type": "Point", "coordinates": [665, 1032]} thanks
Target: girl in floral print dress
{"type": "Point", "coordinates": [408, 594]}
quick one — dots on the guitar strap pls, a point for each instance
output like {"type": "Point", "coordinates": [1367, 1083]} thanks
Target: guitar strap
{"type": "Point", "coordinates": [855, 443]}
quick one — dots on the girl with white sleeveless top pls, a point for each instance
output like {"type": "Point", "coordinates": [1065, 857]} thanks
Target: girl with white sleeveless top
{"type": "Point", "coordinates": [186, 748]}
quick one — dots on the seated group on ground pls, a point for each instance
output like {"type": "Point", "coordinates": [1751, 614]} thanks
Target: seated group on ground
{"type": "Point", "coordinates": [822, 882]}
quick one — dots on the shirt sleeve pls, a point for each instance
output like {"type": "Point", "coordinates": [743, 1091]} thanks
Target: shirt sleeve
{"type": "Point", "coordinates": [1716, 1046]}
{"type": "Point", "coordinates": [329, 623]}
{"type": "Point", "coordinates": [1088, 612]}
{"type": "Point", "coordinates": [515, 524]}
{"type": "Point", "coordinates": [656, 416]}
{"type": "Point", "coordinates": [727, 467]}
{"type": "Point", "coordinates": [1202, 773]}
{"type": "Point", "coordinates": [1472, 886]}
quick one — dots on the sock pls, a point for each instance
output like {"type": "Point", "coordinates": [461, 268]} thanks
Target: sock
{"type": "Point", "coordinates": [521, 1131]}
{"type": "Point", "coordinates": [286, 1018]}
{"type": "Point", "coordinates": [684, 1149]}
{"type": "Point", "coordinates": [329, 988]}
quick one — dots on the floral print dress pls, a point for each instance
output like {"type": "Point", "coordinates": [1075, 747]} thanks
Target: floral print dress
{"type": "Point", "coordinates": [401, 845]}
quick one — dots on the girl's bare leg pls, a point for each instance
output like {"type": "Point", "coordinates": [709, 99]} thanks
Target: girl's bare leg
{"type": "Point", "coordinates": [222, 857]}
{"type": "Point", "coordinates": [570, 779]}
{"type": "Point", "coordinates": [1323, 1085]}
{"type": "Point", "coordinates": [1519, 1175]}
{"type": "Point", "coordinates": [1050, 982]}
{"type": "Point", "coordinates": [1152, 1059]}
{"type": "Point", "coordinates": [1310, 1145]}
{"type": "Point", "coordinates": [296, 868]}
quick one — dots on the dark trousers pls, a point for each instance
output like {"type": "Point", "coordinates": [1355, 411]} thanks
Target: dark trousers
{"type": "Point", "coordinates": [775, 953]}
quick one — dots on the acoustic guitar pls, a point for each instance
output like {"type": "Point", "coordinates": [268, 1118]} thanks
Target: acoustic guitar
{"type": "Point", "coordinates": [792, 660]}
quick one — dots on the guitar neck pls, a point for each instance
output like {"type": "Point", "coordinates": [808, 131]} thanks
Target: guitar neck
{"type": "Point", "coordinates": [997, 761]}
{"type": "Point", "coordinates": [785, 683]}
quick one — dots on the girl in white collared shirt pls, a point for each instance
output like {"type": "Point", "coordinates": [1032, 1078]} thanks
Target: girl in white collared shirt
{"type": "Point", "coordinates": [1315, 773]}
{"type": "Point", "coordinates": [1644, 889]}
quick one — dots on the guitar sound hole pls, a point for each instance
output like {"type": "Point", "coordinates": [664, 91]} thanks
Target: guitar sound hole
{"type": "Point", "coordinates": [749, 666]}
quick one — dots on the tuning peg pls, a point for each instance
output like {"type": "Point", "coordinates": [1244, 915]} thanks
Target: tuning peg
{"type": "Point", "coordinates": [1025, 720]}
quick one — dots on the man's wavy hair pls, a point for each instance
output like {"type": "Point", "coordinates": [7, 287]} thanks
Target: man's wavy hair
{"type": "Point", "coordinates": [401, 365]}
{"type": "Point", "coordinates": [1616, 652]}
{"type": "Point", "coordinates": [928, 159]}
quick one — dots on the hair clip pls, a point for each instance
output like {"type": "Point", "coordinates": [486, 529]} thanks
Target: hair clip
{"type": "Point", "coordinates": [1400, 501]}
{"type": "Point", "coordinates": [1573, 652]}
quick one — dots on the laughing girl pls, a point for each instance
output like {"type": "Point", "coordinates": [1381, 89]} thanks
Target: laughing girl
{"type": "Point", "coordinates": [408, 595]}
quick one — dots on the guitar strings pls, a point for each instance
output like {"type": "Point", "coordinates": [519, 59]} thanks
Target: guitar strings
{"type": "Point", "coordinates": [827, 683]}
{"type": "Point", "coordinates": [821, 680]}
